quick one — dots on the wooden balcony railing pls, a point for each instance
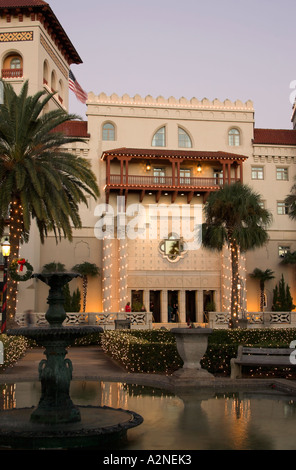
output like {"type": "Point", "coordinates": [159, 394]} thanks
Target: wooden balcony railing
{"type": "Point", "coordinates": [12, 73]}
{"type": "Point", "coordinates": [166, 181]}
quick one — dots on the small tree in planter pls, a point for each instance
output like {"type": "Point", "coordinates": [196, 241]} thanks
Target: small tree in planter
{"type": "Point", "coordinates": [86, 269]}
{"type": "Point", "coordinates": [262, 276]}
{"type": "Point", "coordinates": [282, 299]}
{"type": "Point", "coordinates": [72, 302]}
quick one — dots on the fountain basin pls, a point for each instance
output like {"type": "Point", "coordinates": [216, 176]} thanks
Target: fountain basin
{"type": "Point", "coordinates": [100, 425]}
{"type": "Point", "coordinates": [57, 422]}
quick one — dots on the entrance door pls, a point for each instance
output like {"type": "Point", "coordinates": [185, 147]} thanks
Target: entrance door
{"type": "Point", "coordinates": [137, 300]}
{"type": "Point", "coordinates": [155, 305]}
{"type": "Point", "coordinates": [173, 306]}
{"type": "Point", "coordinates": [190, 306]}
{"type": "Point", "coordinates": [208, 303]}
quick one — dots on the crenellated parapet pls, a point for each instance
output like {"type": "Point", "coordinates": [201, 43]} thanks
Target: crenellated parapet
{"type": "Point", "coordinates": [171, 102]}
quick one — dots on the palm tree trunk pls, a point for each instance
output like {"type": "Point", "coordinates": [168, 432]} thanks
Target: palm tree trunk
{"type": "Point", "coordinates": [16, 228]}
{"type": "Point", "coordinates": [262, 296]}
{"type": "Point", "coordinates": [84, 292]}
{"type": "Point", "coordinates": [234, 284]}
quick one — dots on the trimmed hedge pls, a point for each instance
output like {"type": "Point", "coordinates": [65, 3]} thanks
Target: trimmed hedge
{"type": "Point", "coordinates": [150, 351]}
{"type": "Point", "coordinates": [154, 351]}
{"type": "Point", "coordinates": [14, 348]}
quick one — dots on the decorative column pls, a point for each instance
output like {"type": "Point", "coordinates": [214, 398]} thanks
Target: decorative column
{"type": "Point", "coordinates": [200, 312]}
{"type": "Point", "coordinates": [108, 242]}
{"type": "Point", "coordinates": [229, 172]}
{"type": "Point", "coordinates": [182, 306]}
{"type": "Point", "coordinates": [164, 307]}
{"type": "Point", "coordinates": [122, 263]}
{"type": "Point", "coordinates": [146, 299]}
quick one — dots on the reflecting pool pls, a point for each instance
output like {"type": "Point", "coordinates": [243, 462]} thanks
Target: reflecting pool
{"type": "Point", "coordinates": [207, 420]}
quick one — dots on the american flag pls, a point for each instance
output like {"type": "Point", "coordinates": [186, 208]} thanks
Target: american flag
{"type": "Point", "coordinates": [81, 95]}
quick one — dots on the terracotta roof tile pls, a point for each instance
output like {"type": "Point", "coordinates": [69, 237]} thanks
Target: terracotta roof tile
{"type": "Point", "coordinates": [74, 129]}
{"type": "Point", "coordinates": [53, 24]}
{"type": "Point", "coordinates": [21, 3]}
{"type": "Point", "coordinates": [275, 136]}
{"type": "Point", "coordinates": [158, 153]}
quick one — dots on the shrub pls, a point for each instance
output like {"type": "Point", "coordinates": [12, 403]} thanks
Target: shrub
{"type": "Point", "coordinates": [147, 351]}
{"type": "Point", "coordinates": [155, 351]}
{"type": "Point", "coordinates": [14, 348]}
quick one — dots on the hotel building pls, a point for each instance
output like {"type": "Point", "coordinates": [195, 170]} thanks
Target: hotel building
{"type": "Point", "coordinates": [156, 161]}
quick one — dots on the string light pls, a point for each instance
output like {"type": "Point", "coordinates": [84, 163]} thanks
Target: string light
{"type": "Point", "coordinates": [107, 272]}
{"type": "Point", "coordinates": [16, 229]}
{"type": "Point", "coordinates": [122, 258]}
{"type": "Point", "coordinates": [227, 287]}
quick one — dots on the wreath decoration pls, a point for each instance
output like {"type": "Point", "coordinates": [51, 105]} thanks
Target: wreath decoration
{"type": "Point", "coordinates": [20, 263]}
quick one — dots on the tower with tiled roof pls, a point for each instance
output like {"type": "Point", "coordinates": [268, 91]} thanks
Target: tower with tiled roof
{"type": "Point", "coordinates": [35, 47]}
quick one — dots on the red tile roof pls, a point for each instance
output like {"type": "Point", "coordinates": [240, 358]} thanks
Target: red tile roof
{"type": "Point", "coordinates": [21, 3]}
{"type": "Point", "coordinates": [52, 24]}
{"type": "Point", "coordinates": [188, 154]}
{"type": "Point", "coordinates": [74, 129]}
{"type": "Point", "coordinates": [275, 136]}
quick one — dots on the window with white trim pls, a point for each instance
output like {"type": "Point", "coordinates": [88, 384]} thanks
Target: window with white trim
{"type": "Point", "coordinates": [183, 138]}
{"type": "Point", "coordinates": [282, 174]}
{"type": "Point", "coordinates": [234, 137]}
{"type": "Point", "coordinates": [159, 138]}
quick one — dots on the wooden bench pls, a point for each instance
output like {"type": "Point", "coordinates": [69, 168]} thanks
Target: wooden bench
{"type": "Point", "coordinates": [272, 357]}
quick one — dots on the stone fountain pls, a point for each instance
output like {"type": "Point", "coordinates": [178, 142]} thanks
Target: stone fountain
{"type": "Point", "coordinates": [57, 421]}
{"type": "Point", "coordinates": [192, 344]}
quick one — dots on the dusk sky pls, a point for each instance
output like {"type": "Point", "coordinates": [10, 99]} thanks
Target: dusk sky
{"type": "Point", "coordinates": [225, 49]}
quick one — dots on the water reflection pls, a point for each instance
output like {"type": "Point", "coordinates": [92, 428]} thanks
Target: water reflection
{"type": "Point", "coordinates": [187, 420]}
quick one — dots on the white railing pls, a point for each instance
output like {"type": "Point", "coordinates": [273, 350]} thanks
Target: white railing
{"type": "Point", "coordinates": [255, 319]}
{"type": "Point", "coordinates": [138, 320]}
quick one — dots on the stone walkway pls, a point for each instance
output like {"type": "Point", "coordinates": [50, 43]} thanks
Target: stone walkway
{"type": "Point", "coordinates": [91, 363]}
{"type": "Point", "coordinates": [88, 363]}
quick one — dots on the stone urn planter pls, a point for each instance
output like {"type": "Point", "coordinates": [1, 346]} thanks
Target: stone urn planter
{"type": "Point", "coordinates": [192, 344]}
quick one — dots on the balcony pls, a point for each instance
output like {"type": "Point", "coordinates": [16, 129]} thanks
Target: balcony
{"type": "Point", "coordinates": [166, 182]}
{"type": "Point", "coordinates": [12, 73]}
{"type": "Point", "coordinates": [170, 172]}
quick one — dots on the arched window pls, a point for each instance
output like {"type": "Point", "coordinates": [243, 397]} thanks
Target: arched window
{"type": "Point", "coordinates": [108, 131]}
{"type": "Point", "coordinates": [234, 137]}
{"type": "Point", "coordinates": [53, 81]}
{"type": "Point", "coordinates": [45, 72]}
{"type": "Point", "coordinates": [12, 66]}
{"type": "Point", "coordinates": [184, 139]}
{"type": "Point", "coordinates": [159, 138]}
{"type": "Point", "coordinates": [61, 92]}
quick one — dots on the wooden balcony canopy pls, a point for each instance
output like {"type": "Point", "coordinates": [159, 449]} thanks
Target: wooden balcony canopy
{"type": "Point", "coordinates": [124, 181]}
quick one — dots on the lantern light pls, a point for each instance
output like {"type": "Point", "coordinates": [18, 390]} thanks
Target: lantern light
{"type": "Point", "coordinates": [6, 247]}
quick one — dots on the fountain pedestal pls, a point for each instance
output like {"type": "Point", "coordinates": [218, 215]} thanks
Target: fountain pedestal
{"type": "Point", "coordinates": [57, 421]}
{"type": "Point", "coordinates": [192, 344]}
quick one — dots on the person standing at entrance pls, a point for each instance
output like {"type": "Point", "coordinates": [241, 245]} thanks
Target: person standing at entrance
{"type": "Point", "coordinates": [128, 307]}
{"type": "Point", "coordinates": [170, 313]}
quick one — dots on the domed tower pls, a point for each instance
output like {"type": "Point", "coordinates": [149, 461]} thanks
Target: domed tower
{"type": "Point", "coordinates": [35, 47]}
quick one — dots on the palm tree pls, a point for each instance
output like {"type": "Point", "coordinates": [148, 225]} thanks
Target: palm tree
{"type": "Point", "coordinates": [289, 258]}
{"type": "Point", "coordinates": [290, 201]}
{"type": "Point", "coordinates": [39, 179]}
{"type": "Point", "coordinates": [86, 269]}
{"type": "Point", "coordinates": [262, 276]}
{"type": "Point", "coordinates": [54, 267]}
{"type": "Point", "coordinates": [234, 217]}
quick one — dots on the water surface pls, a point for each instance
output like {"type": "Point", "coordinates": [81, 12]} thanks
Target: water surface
{"type": "Point", "coordinates": [189, 421]}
